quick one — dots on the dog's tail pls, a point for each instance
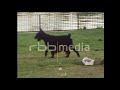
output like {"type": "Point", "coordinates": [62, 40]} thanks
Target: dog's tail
{"type": "Point", "coordinates": [69, 35]}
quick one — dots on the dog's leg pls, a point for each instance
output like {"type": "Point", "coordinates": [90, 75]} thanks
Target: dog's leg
{"type": "Point", "coordinates": [52, 53]}
{"type": "Point", "coordinates": [46, 51]}
{"type": "Point", "coordinates": [76, 52]}
{"type": "Point", "coordinates": [68, 53]}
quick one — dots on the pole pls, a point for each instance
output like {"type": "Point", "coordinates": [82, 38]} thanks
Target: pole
{"type": "Point", "coordinates": [78, 21]}
{"type": "Point", "coordinates": [39, 22]}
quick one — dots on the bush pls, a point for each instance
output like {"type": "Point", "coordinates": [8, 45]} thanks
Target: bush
{"type": "Point", "coordinates": [99, 39]}
{"type": "Point", "coordinates": [99, 28]}
{"type": "Point", "coordinates": [84, 27]}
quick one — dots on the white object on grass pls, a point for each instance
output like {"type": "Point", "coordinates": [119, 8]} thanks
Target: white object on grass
{"type": "Point", "coordinates": [87, 61]}
{"type": "Point", "coordinates": [60, 69]}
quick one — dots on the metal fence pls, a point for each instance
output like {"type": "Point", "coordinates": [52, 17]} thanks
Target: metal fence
{"type": "Point", "coordinates": [31, 21]}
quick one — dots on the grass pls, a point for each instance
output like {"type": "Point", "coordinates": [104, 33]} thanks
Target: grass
{"type": "Point", "coordinates": [33, 64]}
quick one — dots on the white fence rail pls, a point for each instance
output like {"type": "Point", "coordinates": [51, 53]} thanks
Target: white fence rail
{"type": "Point", "coordinates": [58, 21]}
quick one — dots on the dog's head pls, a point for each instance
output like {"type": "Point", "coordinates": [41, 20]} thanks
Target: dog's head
{"type": "Point", "coordinates": [39, 35]}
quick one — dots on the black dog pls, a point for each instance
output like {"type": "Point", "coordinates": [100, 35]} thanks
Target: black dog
{"type": "Point", "coordinates": [62, 43]}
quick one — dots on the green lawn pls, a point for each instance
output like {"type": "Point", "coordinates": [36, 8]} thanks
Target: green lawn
{"type": "Point", "coordinates": [33, 64]}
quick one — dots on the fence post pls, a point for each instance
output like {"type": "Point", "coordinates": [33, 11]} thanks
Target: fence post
{"type": "Point", "coordinates": [39, 22]}
{"type": "Point", "coordinates": [78, 21]}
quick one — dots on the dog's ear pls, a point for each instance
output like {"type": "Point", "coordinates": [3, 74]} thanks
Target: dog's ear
{"type": "Point", "coordinates": [40, 29]}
